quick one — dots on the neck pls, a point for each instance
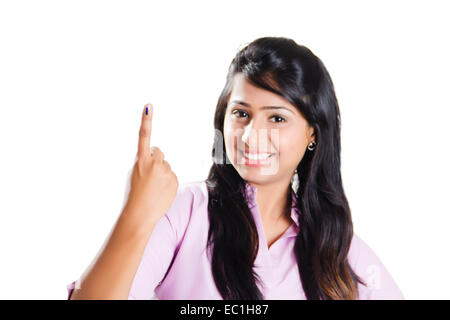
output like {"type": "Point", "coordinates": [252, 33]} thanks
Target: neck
{"type": "Point", "coordinates": [273, 199]}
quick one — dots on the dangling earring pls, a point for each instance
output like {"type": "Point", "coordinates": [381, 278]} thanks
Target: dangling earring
{"type": "Point", "coordinates": [295, 181]}
{"type": "Point", "coordinates": [311, 146]}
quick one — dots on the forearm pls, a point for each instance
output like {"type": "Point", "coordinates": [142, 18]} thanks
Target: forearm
{"type": "Point", "coordinates": [111, 274]}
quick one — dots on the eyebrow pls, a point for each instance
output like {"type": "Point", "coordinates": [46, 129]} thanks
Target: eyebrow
{"type": "Point", "coordinates": [245, 104]}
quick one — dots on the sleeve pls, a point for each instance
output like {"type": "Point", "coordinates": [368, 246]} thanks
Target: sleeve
{"type": "Point", "coordinates": [367, 265]}
{"type": "Point", "coordinates": [161, 247]}
{"type": "Point", "coordinates": [70, 288]}
{"type": "Point", "coordinates": [156, 260]}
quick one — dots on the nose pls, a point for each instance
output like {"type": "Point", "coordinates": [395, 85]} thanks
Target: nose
{"type": "Point", "coordinates": [254, 136]}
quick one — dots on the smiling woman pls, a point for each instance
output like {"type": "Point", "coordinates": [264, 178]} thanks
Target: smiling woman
{"type": "Point", "coordinates": [246, 232]}
{"type": "Point", "coordinates": [257, 134]}
{"type": "Point", "coordinates": [279, 117]}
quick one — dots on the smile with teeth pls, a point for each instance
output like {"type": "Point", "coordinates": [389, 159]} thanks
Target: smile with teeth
{"type": "Point", "coordinates": [257, 156]}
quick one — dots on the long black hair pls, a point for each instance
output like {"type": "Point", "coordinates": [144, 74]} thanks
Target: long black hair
{"type": "Point", "coordinates": [292, 71]}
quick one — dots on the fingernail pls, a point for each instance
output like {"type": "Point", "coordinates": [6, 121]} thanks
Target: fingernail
{"type": "Point", "coordinates": [146, 111]}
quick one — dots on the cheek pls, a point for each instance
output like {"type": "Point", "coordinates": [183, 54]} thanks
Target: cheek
{"type": "Point", "coordinates": [231, 136]}
{"type": "Point", "coordinates": [291, 147]}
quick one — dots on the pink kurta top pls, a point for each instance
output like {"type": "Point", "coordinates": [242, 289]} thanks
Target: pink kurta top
{"type": "Point", "coordinates": [175, 265]}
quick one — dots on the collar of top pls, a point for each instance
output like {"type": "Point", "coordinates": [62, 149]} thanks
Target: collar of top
{"type": "Point", "coordinates": [251, 192]}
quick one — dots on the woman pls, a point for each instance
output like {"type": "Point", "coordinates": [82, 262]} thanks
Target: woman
{"type": "Point", "coordinates": [271, 221]}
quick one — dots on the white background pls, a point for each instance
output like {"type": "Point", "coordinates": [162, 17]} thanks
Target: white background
{"type": "Point", "coordinates": [75, 75]}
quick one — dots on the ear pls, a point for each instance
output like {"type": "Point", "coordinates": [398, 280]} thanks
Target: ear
{"type": "Point", "coordinates": [310, 133]}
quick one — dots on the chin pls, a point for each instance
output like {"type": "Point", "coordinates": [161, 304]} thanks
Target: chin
{"type": "Point", "coordinates": [255, 176]}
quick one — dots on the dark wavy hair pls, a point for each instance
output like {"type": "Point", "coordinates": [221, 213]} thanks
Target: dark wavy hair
{"type": "Point", "coordinates": [293, 72]}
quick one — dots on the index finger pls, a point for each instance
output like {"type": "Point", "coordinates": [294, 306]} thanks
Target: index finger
{"type": "Point", "coordinates": [145, 131]}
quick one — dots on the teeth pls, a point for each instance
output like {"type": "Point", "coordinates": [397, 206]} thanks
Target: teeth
{"type": "Point", "coordinates": [254, 156]}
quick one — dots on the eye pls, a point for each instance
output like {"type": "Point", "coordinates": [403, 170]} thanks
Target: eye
{"type": "Point", "coordinates": [279, 119]}
{"type": "Point", "coordinates": [239, 112]}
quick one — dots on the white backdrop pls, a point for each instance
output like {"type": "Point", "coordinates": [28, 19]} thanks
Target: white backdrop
{"type": "Point", "coordinates": [74, 77]}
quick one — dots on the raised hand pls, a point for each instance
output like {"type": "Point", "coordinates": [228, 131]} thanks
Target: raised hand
{"type": "Point", "coordinates": [153, 184]}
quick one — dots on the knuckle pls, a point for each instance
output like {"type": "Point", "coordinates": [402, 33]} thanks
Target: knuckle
{"type": "Point", "coordinates": [175, 179]}
{"type": "Point", "coordinates": [154, 149]}
{"type": "Point", "coordinates": [167, 171]}
{"type": "Point", "coordinates": [157, 151]}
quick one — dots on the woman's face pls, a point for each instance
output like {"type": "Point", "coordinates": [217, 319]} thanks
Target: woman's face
{"type": "Point", "coordinates": [251, 125]}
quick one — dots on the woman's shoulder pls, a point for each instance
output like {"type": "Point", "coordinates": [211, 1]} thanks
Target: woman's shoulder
{"type": "Point", "coordinates": [360, 253]}
{"type": "Point", "coordinates": [191, 198]}
{"type": "Point", "coordinates": [196, 188]}
{"type": "Point", "coordinates": [191, 194]}
{"type": "Point", "coordinates": [368, 266]}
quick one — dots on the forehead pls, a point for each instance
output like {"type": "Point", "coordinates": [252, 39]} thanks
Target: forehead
{"type": "Point", "coordinates": [243, 90]}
